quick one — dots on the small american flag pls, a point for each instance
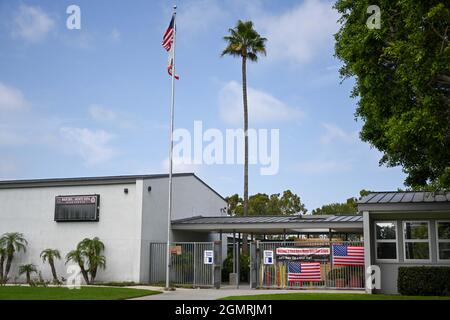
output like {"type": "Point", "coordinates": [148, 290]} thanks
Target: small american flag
{"type": "Point", "coordinates": [167, 44]}
{"type": "Point", "coordinates": [309, 271]}
{"type": "Point", "coordinates": [348, 255]}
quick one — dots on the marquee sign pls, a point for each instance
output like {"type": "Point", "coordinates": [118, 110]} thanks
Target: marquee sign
{"type": "Point", "coordinates": [316, 254]}
{"type": "Point", "coordinates": [77, 208]}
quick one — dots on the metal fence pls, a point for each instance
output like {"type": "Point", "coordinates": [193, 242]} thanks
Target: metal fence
{"type": "Point", "coordinates": [330, 270]}
{"type": "Point", "coordinates": [188, 265]}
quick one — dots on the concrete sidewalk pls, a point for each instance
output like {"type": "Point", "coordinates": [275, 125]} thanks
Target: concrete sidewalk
{"type": "Point", "coordinates": [214, 294]}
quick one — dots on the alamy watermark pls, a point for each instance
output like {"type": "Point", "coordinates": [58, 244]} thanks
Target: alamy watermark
{"type": "Point", "coordinates": [213, 146]}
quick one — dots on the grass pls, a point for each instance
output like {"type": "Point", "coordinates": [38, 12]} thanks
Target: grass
{"type": "Point", "coordinates": [331, 296]}
{"type": "Point", "coordinates": [63, 293]}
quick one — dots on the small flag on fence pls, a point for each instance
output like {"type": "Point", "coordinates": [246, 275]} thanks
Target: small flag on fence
{"type": "Point", "coordinates": [348, 255]}
{"type": "Point", "coordinates": [167, 44]}
{"type": "Point", "coordinates": [298, 271]}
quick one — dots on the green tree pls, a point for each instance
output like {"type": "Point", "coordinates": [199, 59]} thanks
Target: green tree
{"type": "Point", "coordinates": [262, 204]}
{"type": "Point", "coordinates": [402, 73]}
{"type": "Point", "coordinates": [51, 255]}
{"type": "Point", "coordinates": [92, 249]}
{"type": "Point", "coordinates": [244, 42]}
{"type": "Point", "coordinates": [349, 207]}
{"type": "Point", "coordinates": [77, 256]}
{"type": "Point", "coordinates": [27, 269]}
{"type": "Point", "coordinates": [11, 243]}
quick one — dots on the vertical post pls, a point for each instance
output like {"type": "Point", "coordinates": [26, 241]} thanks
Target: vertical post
{"type": "Point", "coordinates": [238, 262]}
{"type": "Point", "coordinates": [169, 213]}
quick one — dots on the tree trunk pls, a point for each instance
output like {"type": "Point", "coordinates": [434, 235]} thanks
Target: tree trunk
{"type": "Point", "coordinates": [2, 262]}
{"type": "Point", "coordinates": [84, 273]}
{"type": "Point", "coordinates": [244, 96]}
{"type": "Point", "coordinates": [8, 267]}
{"type": "Point", "coordinates": [93, 274]}
{"type": "Point", "coordinates": [52, 266]}
{"type": "Point", "coordinates": [28, 278]}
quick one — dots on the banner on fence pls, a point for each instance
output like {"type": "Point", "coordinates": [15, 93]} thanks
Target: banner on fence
{"type": "Point", "coordinates": [317, 254]}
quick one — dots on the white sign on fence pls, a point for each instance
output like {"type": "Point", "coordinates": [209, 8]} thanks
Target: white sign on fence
{"type": "Point", "coordinates": [268, 257]}
{"type": "Point", "coordinates": [208, 257]}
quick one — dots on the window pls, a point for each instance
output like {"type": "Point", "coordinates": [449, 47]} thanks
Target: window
{"type": "Point", "coordinates": [386, 240]}
{"type": "Point", "coordinates": [443, 240]}
{"type": "Point", "coordinates": [416, 236]}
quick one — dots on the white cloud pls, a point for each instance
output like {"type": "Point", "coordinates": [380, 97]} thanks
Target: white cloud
{"type": "Point", "coordinates": [334, 133]}
{"type": "Point", "coordinates": [300, 34]}
{"type": "Point", "coordinates": [32, 24]}
{"type": "Point", "coordinates": [92, 146]}
{"type": "Point", "coordinates": [103, 114]}
{"type": "Point", "coordinates": [8, 138]}
{"type": "Point", "coordinates": [115, 35]}
{"type": "Point", "coordinates": [180, 165]}
{"type": "Point", "coordinates": [11, 98]}
{"type": "Point", "coordinates": [263, 107]}
{"type": "Point", "coordinates": [199, 15]}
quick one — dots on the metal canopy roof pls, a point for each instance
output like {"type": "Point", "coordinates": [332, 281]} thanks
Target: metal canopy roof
{"type": "Point", "coordinates": [405, 197]}
{"type": "Point", "coordinates": [406, 201]}
{"type": "Point", "coordinates": [270, 224]}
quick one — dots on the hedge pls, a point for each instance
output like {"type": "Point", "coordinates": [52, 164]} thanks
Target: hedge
{"type": "Point", "coordinates": [424, 281]}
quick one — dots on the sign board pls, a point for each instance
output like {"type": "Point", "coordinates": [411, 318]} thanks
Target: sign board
{"type": "Point", "coordinates": [175, 250]}
{"type": "Point", "coordinates": [208, 257]}
{"type": "Point", "coordinates": [316, 254]}
{"type": "Point", "coordinates": [77, 208]}
{"type": "Point", "coordinates": [268, 257]}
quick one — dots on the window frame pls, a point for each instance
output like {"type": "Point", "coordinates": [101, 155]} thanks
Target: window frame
{"type": "Point", "coordinates": [440, 240]}
{"type": "Point", "coordinates": [416, 240]}
{"type": "Point", "coordinates": [396, 260]}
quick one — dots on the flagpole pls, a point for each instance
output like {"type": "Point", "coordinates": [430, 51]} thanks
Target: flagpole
{"type": "Point", "coordinates": [172, 107]}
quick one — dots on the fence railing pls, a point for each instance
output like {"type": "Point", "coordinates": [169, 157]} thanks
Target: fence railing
{"type": "Point", "coordinates": [311, 264]}
{"type": "Point", "coordinates": [188, 265]}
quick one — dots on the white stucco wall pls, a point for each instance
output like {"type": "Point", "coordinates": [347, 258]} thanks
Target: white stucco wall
{"type": "Point", "coordinates": [31, 212]}
{"type": "Point", "coordinates": [190, 198]}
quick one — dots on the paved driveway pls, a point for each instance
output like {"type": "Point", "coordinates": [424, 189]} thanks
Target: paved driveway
{"type": "Point", "coordinates": [214, 294]}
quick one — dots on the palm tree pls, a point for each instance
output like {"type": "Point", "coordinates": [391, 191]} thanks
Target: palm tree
{"type": "Point", "coordinates": [244, 42]}
{"type": "Point", "coordinates": [51, 255]}
{"type": "Point", "coordinates": [92, 249]}
{"type": "Point", "coordinates": [77, 256]}
{"type": "Point", "coordinates": [2, 262]}
{"type": "Point", "coordinates": [28, 269]}
{"type": "Point", "coordinates": [12, 242]}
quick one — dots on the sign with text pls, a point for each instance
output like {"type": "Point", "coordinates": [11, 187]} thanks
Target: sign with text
{"type": "Point", "coordinates": [316, 254]}
{"type": "Point", "coordinates": [77, 208]}
{"type": "Point", "coordinates": [208, 257]}
{"type": "Point", "coordinates": [268, 257]}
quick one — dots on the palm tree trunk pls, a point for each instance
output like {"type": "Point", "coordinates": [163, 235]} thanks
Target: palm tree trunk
{"type": "Point", "coordinates": [244, 96]}
{"type": "Point", "coordinates": [2, 262]}
{"type": "Point", "coordinates": [8, 267]}
{"type": "Point", "coordinates": [52, 266]}
{"type": "Point", "coordinates": [84, 273]}
{"type": "Point", "coordinates": [28, 278]}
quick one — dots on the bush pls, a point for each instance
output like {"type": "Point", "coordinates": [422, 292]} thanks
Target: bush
{"type": "Point", "coordinates": [227, 268]}
{"type": "Point", "coordinates": [424, 281]}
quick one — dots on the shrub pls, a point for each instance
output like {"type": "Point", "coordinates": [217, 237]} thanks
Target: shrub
{"type": "Point", "coordinates": [227, 268]}
{"type": "Point", "coordinates": [424, 281]}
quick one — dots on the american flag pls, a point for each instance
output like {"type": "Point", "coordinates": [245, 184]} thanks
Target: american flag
{"type": "Point", "coordinates": [348, 255]}
{"type": "Point", "coordinates": [309, 271]}
{"type": "Point", "coordinates": [167, 44]}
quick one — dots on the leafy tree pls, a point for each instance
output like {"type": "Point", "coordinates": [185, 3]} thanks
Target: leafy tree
{"type": "Point", "coordinates": [349, 207]}
{"type": "Point", "coordinates": [11, 243]}
{"type": "Point", "coordinates": [92, 249]}
{"type": "Point", "coordinates": [51, 255]}
{"type": "Point", "coordinates": [77, 256]}
{"type": "Point", "coordinates": [402, 73]}
{"type": "Point", "coordinates": [27, 269]}
{"type": "Point", "coordinates": [262, 204]}
{"type": "Point", "coordinates": [2, 262]}
{"type": "Point", "coordinates": [244, 42]}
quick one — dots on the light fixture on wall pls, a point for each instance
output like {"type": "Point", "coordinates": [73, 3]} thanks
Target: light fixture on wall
{"type": "Point", "coordinates": [125, 190]}
{"type": "Point", "coordinates": [149, 188]}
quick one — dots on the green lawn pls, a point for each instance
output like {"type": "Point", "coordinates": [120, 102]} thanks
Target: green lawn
{"type": "Point", "coordinates": [62, 293]}
{"type": "Point", "coordinates": [331, 296]}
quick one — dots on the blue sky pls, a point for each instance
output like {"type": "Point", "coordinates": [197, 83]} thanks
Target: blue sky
{"type": "Point", "coordinates": [95, 101]}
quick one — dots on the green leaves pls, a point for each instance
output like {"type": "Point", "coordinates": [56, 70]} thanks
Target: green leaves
{"type": "Point", "coordinates": [402, 76]}
{"type": "Point", "coordinates": [244, 41]}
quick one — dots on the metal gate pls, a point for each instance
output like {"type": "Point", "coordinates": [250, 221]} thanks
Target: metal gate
{"type": "Point", "coordinates": [188, 265]}
{"type": "Point", "coordinates": [309, 264]}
